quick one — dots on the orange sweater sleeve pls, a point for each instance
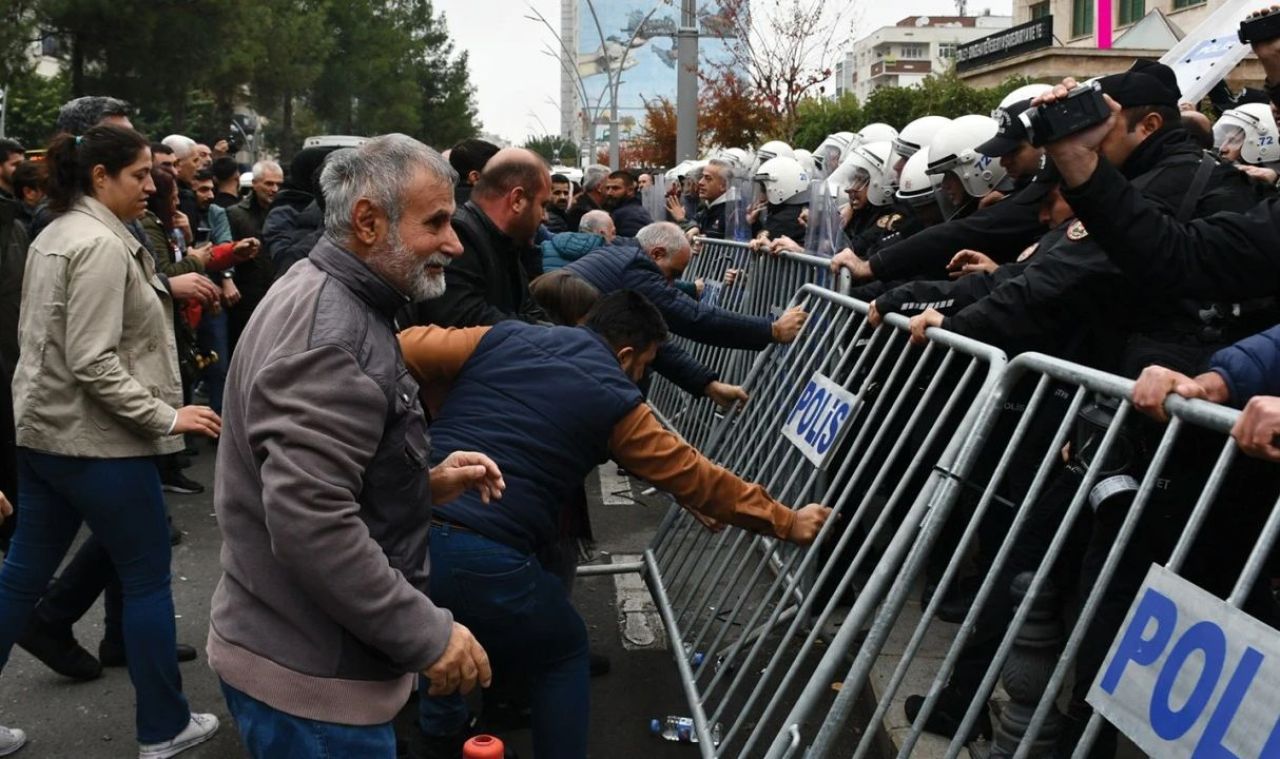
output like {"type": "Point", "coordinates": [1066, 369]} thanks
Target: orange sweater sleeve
{"type": "Point", "coordinates": [642, 446]}
{"type": "Point", "coordinates": [434, 356]}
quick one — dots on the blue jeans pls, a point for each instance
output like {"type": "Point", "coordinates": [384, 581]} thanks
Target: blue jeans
{"type": "Point", "coordinates": [269, 733]}
{"type": "Point", "coordinates": [121, 502]}
{"type": "Point", "coordinates": [522, 616]}
{"type": "Point", "coordinates": [211, 335]}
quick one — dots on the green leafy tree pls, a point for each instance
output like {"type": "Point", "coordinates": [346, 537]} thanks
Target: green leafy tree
{"type": "Point", "coordinates": [294, 42]}
{"type": "Point", "coordinates": [17, 32]}
{"type": "Point", "coordinates": [656, 143]}
{"type": "Point", "coordinates": [33, 107]}
{"type": "Point", "coordinates": [306, 66]}
{"type": "Point", "coordinates": [444, 79]}
{"type": "Point", "coordinates": [818, 117]}
{"type": "Point", "coordinates": [553, 148]}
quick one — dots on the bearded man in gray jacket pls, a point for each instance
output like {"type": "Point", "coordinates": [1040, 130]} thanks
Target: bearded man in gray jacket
{"type": "Point", "coordinates": [321, 621]}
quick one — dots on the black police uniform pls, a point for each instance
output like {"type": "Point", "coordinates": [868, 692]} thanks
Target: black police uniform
{"type": "Point", "coordinates": [1002, 231]}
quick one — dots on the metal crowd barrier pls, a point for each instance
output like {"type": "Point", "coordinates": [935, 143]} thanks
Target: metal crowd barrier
{"type": "Point", "coordinates": [1166, 480]}
{"type": "Point", "coordinates": [748, 616]}
{"type": "Point", "coordinates": [763, 286]}
{"type": "Point", "coordinates": [1030, 489]}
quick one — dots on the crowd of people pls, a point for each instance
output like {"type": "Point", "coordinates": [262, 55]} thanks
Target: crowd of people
{"type": "Point", "coordinates": [408, 362]}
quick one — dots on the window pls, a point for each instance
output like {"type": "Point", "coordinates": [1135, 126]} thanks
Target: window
{"type": "Point", "coordinates": [1177, 4]}
{"type": "Point", "coordinates": [1131, 11]}
{"type": "Point", "coordinates": [913, 50]}
{"type": "Point", "coordinates": [49, 45]}
{"type": "Point", "coordinates": [1039, 10]}
{"type": "Point", "coordinates": [1082, 18]}
{"type": "Point", "coordinates": [946, 50]}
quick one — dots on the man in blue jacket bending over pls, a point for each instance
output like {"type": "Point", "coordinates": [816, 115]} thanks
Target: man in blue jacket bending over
{"type": "Point", "coordinates": [548, 404]}
{"type": "Point", "coordinates": [652, 269]}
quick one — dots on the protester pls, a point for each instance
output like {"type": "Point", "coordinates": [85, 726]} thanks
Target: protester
{"type": "Point", "coordinates": [489, 281]}
{"type": "Point", "coordinates": [28, 190]}
{"type": "Point", "coordinates": [651, 269]}
{"type": "Point", "coordinates": [92, 462]}
{"type": "Point", "coordinates": [12, 154]}
{"type": "Point", "coordinates": [468, 158]}
{"type": "Point", "coordinates": [247, 218]}
{"type": "Point", "coordinates": [713, 191]}
{"type": "Point", "coordinates": [188, 162]}
{"type": "Point", "coordinates": [557, 216]}
{"type": "Point", "coordinates": [570, 399]}
{"type": "Point", "coordinates": [226, 181]}
{"type": "Point", "coordinates": [11, 739]}
{"type": "Point", "coordinates": [295, 222]}
{"type": "Point", "coordinates": [596, 231]}
{"type": "Point", "coordinates": [592, 196]}
{"type": "Point", "coordinates": [49, 635]}
{"type": "Point", "coordinates": [622, 201]}
{"type": "Point", "coordinates": [317, 385]}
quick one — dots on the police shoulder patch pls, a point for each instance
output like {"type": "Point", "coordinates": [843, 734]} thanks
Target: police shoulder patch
{"type": "Point", "coordinates": [1076, 232]}
{"type": "Point", "coordinates": [889, 221]}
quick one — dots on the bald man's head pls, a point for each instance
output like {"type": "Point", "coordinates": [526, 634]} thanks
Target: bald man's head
{"type": "Point", "coordinates": [1200, 127]}
{"type": "Point", "coordinates": [511, 168]}
{"type": "Point", "coordinates": [512, 189]}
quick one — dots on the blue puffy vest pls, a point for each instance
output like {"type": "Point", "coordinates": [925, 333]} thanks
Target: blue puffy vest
{"type": "Point", "coordinates": [542, 403]}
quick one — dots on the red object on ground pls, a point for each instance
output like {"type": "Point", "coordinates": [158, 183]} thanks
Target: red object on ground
{"type": "Point", "coordinates": [483, 747]}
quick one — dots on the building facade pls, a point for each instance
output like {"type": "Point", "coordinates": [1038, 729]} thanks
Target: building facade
{"type": "Point", "coordinates": [904, 54]}
{"type": "Point", "coordinates": [1053, 39]}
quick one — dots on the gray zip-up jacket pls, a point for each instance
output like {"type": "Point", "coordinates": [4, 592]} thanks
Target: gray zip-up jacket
{"type": "Point", "coordinates": [323, 501]}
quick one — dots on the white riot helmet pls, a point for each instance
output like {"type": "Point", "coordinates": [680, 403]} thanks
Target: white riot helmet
{"type": "Point", "coordinates": [738, 157]}
{"type": "Point", "coordinates": [807, 163]}
{"type": "Point", "coordinates": [916, 185]}
{"type": "Point", "coordinates": [917, 134]}
{"type": "Point", "coordinates": [827, 155]}
{"type": "Point", "coordinates": [783, 179]}
{"type": "Point", "coordinates": [876, 159]}
{"type": "Point", "coordinates": [1250, 128]}
{"type": "Point", "coordinates": [877, 132]}
{"type": "Point", "coordinates": [774, 149]}
{"type": "Point", "coordinates": [680, 171]}
{"type": "Point", "coordinates": [954, 149]}
{"type": "Point", "coordinates": [1025, 92]}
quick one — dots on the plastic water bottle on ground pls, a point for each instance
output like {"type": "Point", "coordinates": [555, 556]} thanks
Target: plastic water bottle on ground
{"type": "Point", "coordinates": [681, 730]}
{"type": "Point", "coordinates": [695, 657]}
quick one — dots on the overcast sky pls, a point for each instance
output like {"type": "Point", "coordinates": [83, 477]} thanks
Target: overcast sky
{"type": "Point", "coordinates": [518, 87]}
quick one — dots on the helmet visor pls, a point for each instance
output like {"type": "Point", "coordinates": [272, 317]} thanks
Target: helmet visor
{"type": "Point", "coordinates": [1228, 137]}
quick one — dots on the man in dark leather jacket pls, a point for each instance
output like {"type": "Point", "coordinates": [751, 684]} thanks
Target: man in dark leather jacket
{"type": "Point", "coordinates": [488, 283]}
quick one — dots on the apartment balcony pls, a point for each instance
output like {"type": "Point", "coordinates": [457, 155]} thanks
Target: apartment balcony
{"type": "Point", "coordinates": [894, 67]}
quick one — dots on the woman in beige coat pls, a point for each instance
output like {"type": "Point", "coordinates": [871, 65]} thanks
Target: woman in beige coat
{"type": "Point", "coordinates": [96, 399]}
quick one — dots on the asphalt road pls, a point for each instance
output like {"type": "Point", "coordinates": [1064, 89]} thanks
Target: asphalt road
{"type": "Point", "coordinates": [69, 720]}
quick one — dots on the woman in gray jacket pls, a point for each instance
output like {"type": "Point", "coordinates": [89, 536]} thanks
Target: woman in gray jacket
{"type": "Point", "coordinates": [96, 395]}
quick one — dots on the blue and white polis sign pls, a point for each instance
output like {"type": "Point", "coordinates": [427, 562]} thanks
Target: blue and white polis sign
{"type": "Point", "coordinates": [1191, 676]}
{"type": "Point", "coordinates": [820, 419]}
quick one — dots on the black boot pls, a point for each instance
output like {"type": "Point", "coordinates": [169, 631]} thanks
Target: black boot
{"type": "Point", "coordinates": [59, 651]}
{"type": "Point", "coordinates": [111, 653]}
{"type": "Point", "coordinates": [947, 715]}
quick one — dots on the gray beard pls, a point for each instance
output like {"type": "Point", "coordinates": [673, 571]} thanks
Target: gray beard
{"type": "Point", "coordinates": [408, 272]}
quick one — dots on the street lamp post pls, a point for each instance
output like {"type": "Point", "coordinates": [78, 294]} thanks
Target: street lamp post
{"type": "Point", "coordinates": [687, 82]}
{"type": "Point", "coordinates": [613, 72]}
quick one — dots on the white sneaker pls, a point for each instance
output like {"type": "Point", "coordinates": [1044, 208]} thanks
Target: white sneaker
{"type": "Point", "coordinates": [11, 739]}
{"type": "Point", "coordinates": [200, 729]}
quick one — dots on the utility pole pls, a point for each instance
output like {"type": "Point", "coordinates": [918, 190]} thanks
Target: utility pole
{"type": "Point", "coordinates": [687, 82]}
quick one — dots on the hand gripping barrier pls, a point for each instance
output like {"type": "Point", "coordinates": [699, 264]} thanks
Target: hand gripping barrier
{"type": "Point", "coordinates": [999, 496]}
{"type": "Point", "coordinates": [763, 287]}
{"type": "Point", "coordinates": [750, 617]}
{"type": "Point", "coordinates": [1074, 497]}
